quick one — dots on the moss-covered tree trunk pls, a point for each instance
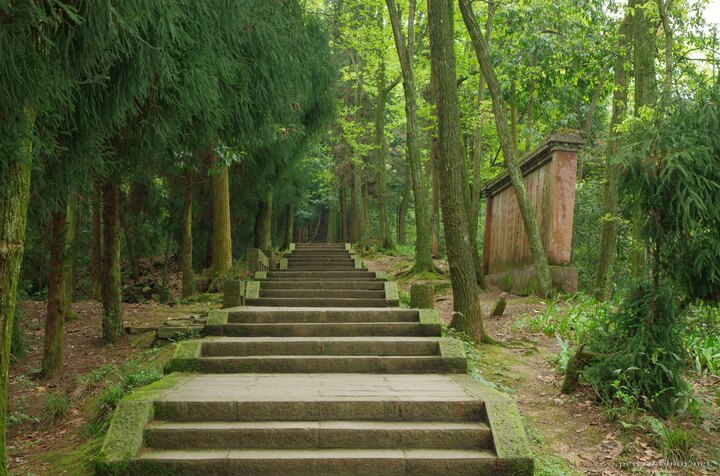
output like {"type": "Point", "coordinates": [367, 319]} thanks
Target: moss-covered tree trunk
{"type": "Point", "coordinates": [290, 225]}
{"type": "Point", "coordinates": [468, 313]}
{"type": "Point", "coordinates": [111, 279]}
{"type": "Point", "coordinates": [532, 229]}
{"type": "Point", "coordinates": [221, 240]}
{"type": "Point", "coordinates": [611, 218]}
{"type": "Point", "coordinates": [384, 238]}
{"type": "Point", "coordinates": [188, 274]}
{"type": "Point", "coordinates": [358, 226]}
{"type": "Point", "coordinates": [644, 35]}
{"type": "Point", "coordinates": [70, 257]}
{"type": "Point", "coordinates": [435, 223]}
{"type": "Point", "coordinates": [402, 208]}
{"type": "Point", "coordinates": [343, 213]}
{"type": "Point", "coordinates": [96, 259]}
{"type": "Point", "coordinates": [14, 197]}
{"type": "Point", "coordinates": [53, 347]}
{"type": "Point", "coordinates": [263, 223]}
{"type": "Point", "coordinates": [406, 54]}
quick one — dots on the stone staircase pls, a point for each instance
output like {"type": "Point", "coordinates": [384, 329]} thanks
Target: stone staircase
{"type": "Point", "coordinates": [322, 374]}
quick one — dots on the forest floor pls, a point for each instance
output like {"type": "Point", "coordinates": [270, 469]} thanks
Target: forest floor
{"type": "Point", "coordinates": [56, 425]}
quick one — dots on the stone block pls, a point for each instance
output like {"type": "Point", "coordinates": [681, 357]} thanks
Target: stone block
{"type": "Point", "coordinates": [233, 293]}
{"type": "Point", "coordinates": [422, 296]}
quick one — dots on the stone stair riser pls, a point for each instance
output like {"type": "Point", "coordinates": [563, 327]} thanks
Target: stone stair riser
{"type": "Point", "coordinates": [319, 347]}
{"type": "Point", "coordinates": [383, 329]}
{"type": "Point", "coordinates": [321, 285]}
{"type": "Point", "coordinates": [320, 293]}
{"type": "Point", "coordinates": [319, 302]}
{"type": "Point", "coordinates": [335, 316]}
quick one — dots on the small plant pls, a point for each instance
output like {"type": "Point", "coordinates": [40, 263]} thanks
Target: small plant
{"type": "Point", "coordinates": [675, 444]}
{"type": "Point", "coordinates": [18, 418]}
{"type": "Point", "coordinates": [404, 299]}
{"type": "Point", "coordinates": [54, 409]}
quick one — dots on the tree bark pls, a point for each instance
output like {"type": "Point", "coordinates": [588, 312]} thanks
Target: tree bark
{"type": "Point", "coordinates": [289, 225]}
{"type": "Point", "coordinates": [358, 226]}
{"type": "Point", "coordinates": [53, 347]}
{"type": "Point", "coordinates": [129, 242]}
{"type": "Point", "coordinates": [343, 213]}
{"type": "Point", "coordinates": [402, 208]}
{"type": "Point", "coordinates": [384, 238]}
{"type": "Point", "coordinates": [608, 234]}
{"type": "Point", "coordinates": [221, 239]}
{"type": "Point", "coordinates": [112, 303]}
{"type": "Point", "coordinates": [435, 224]}
{"type": "Point", "coordinates": [537, 249]}
{"type": "Point", "coordinates": [468, 313]}
{"type": "Point", "coordinates": [96, 261]}
{"type": "Point", "coordinates": [188, 274]}
{"type": "Point", "coordinates": [406, 54]}
{"type": "Point", "coordinates": [70, 257]}
{"type": "Point", "coordinates": [263, 223]}
{"type": "Point", "coordinates": [14, 197]}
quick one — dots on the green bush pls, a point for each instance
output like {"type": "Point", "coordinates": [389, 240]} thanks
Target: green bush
{"type": "Point", "coordinates": [54, 409]}
{"type": "Point", "coordinates": [637, 361]}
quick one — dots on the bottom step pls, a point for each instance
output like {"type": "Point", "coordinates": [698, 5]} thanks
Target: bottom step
{"type": "Point", "coordinates": [314, 462]}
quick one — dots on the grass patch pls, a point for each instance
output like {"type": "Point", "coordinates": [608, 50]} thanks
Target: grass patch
{"type": "Point", "coordinates": [54, 409]}
{"type": "Point", "coordinates": [74, 461]}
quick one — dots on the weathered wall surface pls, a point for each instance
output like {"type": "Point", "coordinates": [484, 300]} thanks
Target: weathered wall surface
{"type": "Point", "coordinates": [549, 174]}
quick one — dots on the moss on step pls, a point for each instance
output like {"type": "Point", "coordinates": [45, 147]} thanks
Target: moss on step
{"type": "Point", "coordinates": [125, 435]}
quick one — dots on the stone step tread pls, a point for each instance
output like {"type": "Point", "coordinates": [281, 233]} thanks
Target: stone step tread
{"type": "Point", "coordinates": [348, 339]}
{"type": "Point", "coordinates": [323, 302]}
{"type": "Point", "coordinates": [325, 329]}
{"type": "Point", "coordinates": [324, 285]}
{"type": "Point", "coordinates": [321, 293]}
{"type": "Point", "coordinates": [315, 454]}
{"type": "Point", "coordinates": [359, 425]}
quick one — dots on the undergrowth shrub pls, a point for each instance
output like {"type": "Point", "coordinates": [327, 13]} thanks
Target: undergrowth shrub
{"type": "Point", "coordinates": [54, 409]}
{"type": "Point", "coordinates": [636, 360]}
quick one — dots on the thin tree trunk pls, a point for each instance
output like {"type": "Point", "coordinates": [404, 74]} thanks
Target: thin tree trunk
{"type": "Point", "coordinates": [402, 208]}
{"type": "Point", "coordinates": [129, 244]}
{"type": "Point", "coordinates": [434, 159]}
{"type": "Point", "coordinates": [587, 128]}
{"type": "Point", "coordinates": [96, 262]}
{"type": "Point", "coordinates": [343, 213]}
{"type": "Point", "coordinates": [608, 234]}
{"type": "Point", "coordinates": [263, 223]}
{"type": "Point", "coordinates": [468, 313]}
{"type": "Point", "coordinates": [221, 239]}
{"type": "Point", "coordinates": [188, 276]}
{"type": "Point", "coordinates": [384, 238]}
{"type": "Point", "coordinates": [68, 263]}
{"type": "Point", "coordinates": [112, 304]}
{"type": "Point", "coordinates": [645, 50]}
{"type": "Point", "coordinates": [53, 348]}
{"type": "Point", "coordinates": [14, 197]}
{"type": "Point", "coordinates": [289, 225]}
{"type": "Point", "coordinates": [406, 54]}
{"type": "Point", "coordinates": [537, 249]}
{"type": "Point", "coordinates": [358, 227]}
{"type": "Point", "coordinates": [531, 104]}
{"type": "Point", "coordinates": [514, 120]}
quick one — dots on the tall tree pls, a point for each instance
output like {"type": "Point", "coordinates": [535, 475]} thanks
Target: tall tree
{"type": "Point", "coordinates": [468, 313]}
{"type": "Point", "coordinates": [405, 46]}
{"type": "Point", "coordinates": [609, 231]}
{"type": "Point", "coordinates": [188, 275]}
{"type": "Point", "coordinates": [221, 241]}
{"type": "Point", "coordinates": [532, 229]}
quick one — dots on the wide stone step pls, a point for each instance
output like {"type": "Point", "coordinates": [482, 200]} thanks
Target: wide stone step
{"type": "Point", "coordinates": [320, 259]}
{"type": "Point", "coordinates": [308, 315]}
{"type": "Point", "coordinates": [318, 434]}
{"type": "Point", "coordinates": [301, 284]}
{"type": "Point", "coordinates": [321, 254]}
{"type": "Point", "coordinates": [309, 364]}
{"type": "Point", "coordinates": [351, 407]}
{"type": "Point", "coordinates": [352, 329]}
{"type": "Point", "coordinates": [331, 275]}
{"type": "Point", "coordinates": [320, 302]}
{"type": "Point", "coordinates": [326, 462]}
{"type": "Point", "coordinates": [320, 267]}
{"type": "Point", "coordinates": [426, 346]}
{"type": "Point", "coordinates": [322, 293]}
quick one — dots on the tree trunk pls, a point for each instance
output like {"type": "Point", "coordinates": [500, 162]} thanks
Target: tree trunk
{"type": "Point", "coordinates": [221, 240]}
{"type": "Point", "coordinates": [343, 213]}
{"type": "Point", "coordinates": [587, 127]}
{"type": "Point", "coordinates": [514, 120]}
{"type": "Point", "coordinates": [14, 197]}
{"type": "Point", "coordinates": [96, 261]}
{"type": "Point", "coordinates": [537, 249]}
{"type": "Point", "coordinates": [263, 223]}
{"type": "Point", "coordinates": [468, 313]}
{"type": "Point", "coordinates": [406, 54]}
{"type": "Point", "coordinates": [531, 104]}
{"type": "Point", "coordinates": [358, 227]}
{"type": "Point", "coordinates": [384, 238]}
{"type": "Point", "coordinates": [188, 275]}
{"type": "Point", "coordinates": [112, 303]}
{"type": "Point", "coordinates": [608, 234]}
{"type": "Point", "coordinates": [289, 224]}
{"type": "Point", "coordinates": [71, 229]}
{"type": "Point", "coordinates": [53, 348]}
{"type": "Point", "coordinates": [129, 243]}
{"type": "Point", "coordinates": [402, 208]}
{"type": "Point", "coordinates": [435, 224]}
